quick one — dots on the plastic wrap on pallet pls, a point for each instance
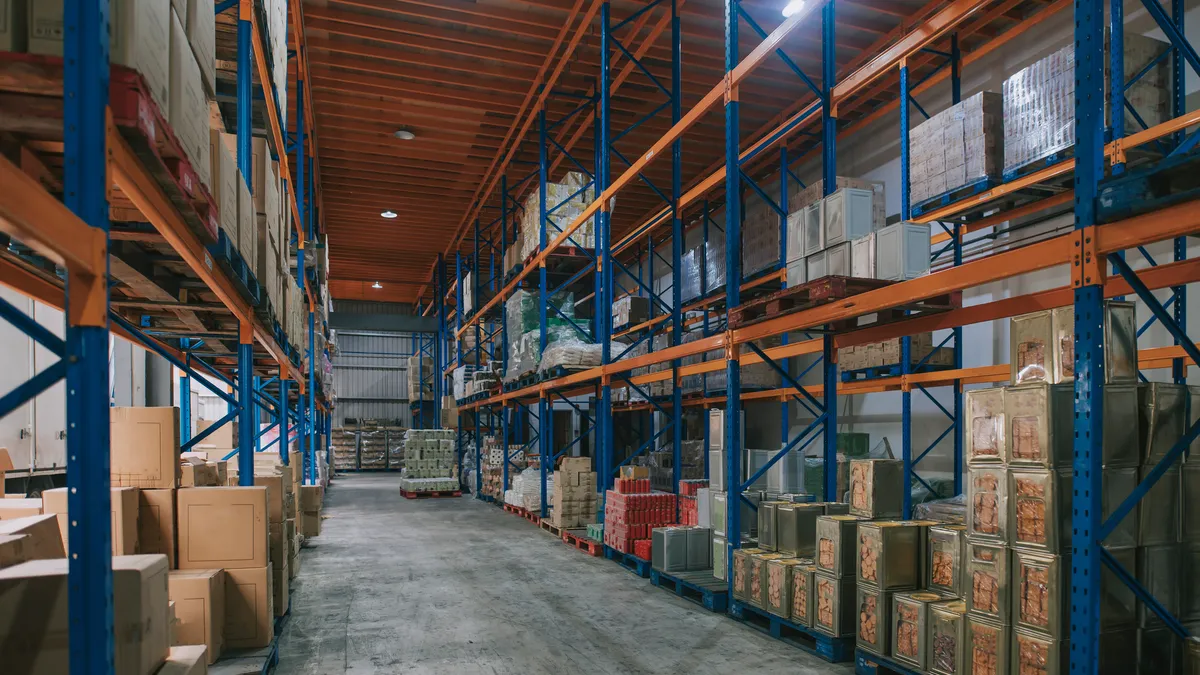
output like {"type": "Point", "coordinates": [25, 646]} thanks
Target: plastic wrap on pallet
{"type": "Point", "coordinates": [562, 210]}
{"type": "Point", "coordinates": [531, 488]}
{"type": "Point", "coordinates": [570, 351]}
{"type": "Point", "coordinates": [951, 510]}
{"type": "Point", "coordinates": [958, 146]}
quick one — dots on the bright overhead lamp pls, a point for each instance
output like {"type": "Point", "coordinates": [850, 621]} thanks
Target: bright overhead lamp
{"type": "Point", "coordinates": [793, 7]}
{"type": "Point", "coordinates": [404, 134]}
{"type": "Point", "coordinates": [376, 285]}
{"type": "Point", "coordinates": [389, 214]}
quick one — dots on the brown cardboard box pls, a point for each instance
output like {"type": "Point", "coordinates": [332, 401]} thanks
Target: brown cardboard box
{"type": "Point", "coordinates": [44, 540]}
{"type": "Point", "coordinates": [279, 587]}
{"type": "Point", "coordinates": [145, 447]}
{"type": "Point", "coordinates": [6, 465]}
{"type": "Point", "coordinates": [222, 527]}
{"type": "Point", "coordinates": [293, 566]}
{"type": "Point", "coordinates": [196, 472]}
{"type": "Point", "coordinates": [279, 494]}
{"type": "Point", "coordinates": [310, 523]}
{"type": "Point", "coordinates": [635, 472]}
{"type": "Point", "coordinates": [14, 549]}
{"type": "Point", "coordinates": [222, 438]}
{"type": "Point", "coordinates": [278, 548]}
{"type": "Point", "coordinates": [222, 468]}
{"type": "Point", "coordinates": [19, 508]}
{"type": "Point", "coordinates": [199, 597]}
{"type": "Point", "coordinates": [249, 610]}
{"type": "Point", "coordinates": [186, 660]}
{"type": "Point", "coordinates": [156, 523]}
{"type": "Point", "coordinates": [312, 497]}
{"type": "Point", "coordinates": [124, 504]}
{"type": "Point", "coordinates": [36, 591]}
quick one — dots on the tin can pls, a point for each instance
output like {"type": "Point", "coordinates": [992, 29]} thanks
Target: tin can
{"type": "Point", "coordinates": [1042, 345]}
{"type": "Point", "coordinates": [1039, 592]}
{"type": "Point", "coordinates": [803, 595]}
{"type": "Point", "coordinates": [947, 637]}
{"type": "Point", "coordinates": [1191, 656]}
{"type": "Point", "coordinates": [1159, 651]}
{"type": "Point", "coordinates": [836, 508]}
{"type": "Point", "coordinates": [1158, 513]}
{"type": "Point", "coordinates": [741, 572]}
{"type": "Point", "coordinates": [1162, 419]}
{"type": "Point", "coordinates": [797, 534]}
{"type": "Point", "coordinates": [719, 558]}
{"type": "Point", "coordinates": [877, 488]}
{"type": "Point", "coordinates": [985, 426]}
{"type": "Point", "coordinates": [1118, 651]}
{"type": "Point", "coordinates": [873, 627]}
{"type": "Point", "coordinates": [1158, 570]}
{"type": "Point", "coordinates": [946, 553]}
{"type": "Point", "coordinates": [767, 525]}
{"type": "Point", "coordinates": [1037, 654]}
{"type": "Point", "coordinates": [1032, 348]}
{"type": "Point", "coordinates": [987, 503]}
{"type": "Point", "coordinates": [757, 593]}
{"type": "Point", "coordinates": [1039, 508]}
{"type": "Point", "coordinates": [889, 554]}
{"type": "Point", "coordinates": [833, 605]}
{"type": "Point", "coordinates": [778, 598]}
{"type": "Point", "coordinates": [1039, 419]}
{"type": "Point", "coordinates": [910, 627]}
{"type": "Point", "coordinates": [1119, 446]}
{"type": "Point", "coordinates": [1116, 484]}
{"type": "Point", "coordinates": [837, 545]}
{"type": "Point", "coordinates": [987, 647]}
{"type": "Point", "coordinates": [988, 591]}
{"type": "Point", "coordinates": [718, 514]}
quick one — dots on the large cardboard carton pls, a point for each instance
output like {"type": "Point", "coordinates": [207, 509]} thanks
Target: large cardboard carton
{"type": "Point", "coordinates": [199, 597]}
{"type": "Point", "coordinates": [279, 587]}
{"type": "Point", "coordinates": [188, 107]}
{"type": "Point", "coordinates": [247, 232]}
{"type": "Point", "coordinates": [279, 494]}
{"type": "Point", "coordinates": [42, 540]}
{"type": "Point", "coordinates": [156, 523]}
{"type": "Point", "coordinates": [145, 447]}
{"type": "Point", "coordinates": [6, 465]}
{"type": "Point", "coordinates": [19, 508]}
{"type": "Point", "coordinates": [312, 497]}
{"type": "Point", "coordinates": [249, 608]}
{"type": "Point", "coordinates": [186, 660]}
{"type": "Point", "coordinates": [195, 472]}
{"type": "Point", "coordinates": [139, 38]}
{"type": "Point", "coordinates": [33, 616]}
{"type": "Point", "coordinates": [14, 549]}
{"type": "Point", "coordinates": [222, 527]}
{"type": "Point", "coordinates": [124, 504]}
{"type": "Point", "coordinates": [202, 35]}
{"type": "Point", "coordinates": [310, 523]}
{"type": "Point", "coordinates": [222, 438]}
{"type": "Point", "coordinates": [278, 548]}
{"type": "Point", "coordinates": [222, 468]}
{"type": "Point", "coordinates": [223, 186]}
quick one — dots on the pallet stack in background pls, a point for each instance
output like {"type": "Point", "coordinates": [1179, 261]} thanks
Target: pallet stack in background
{"type": "Point", "coordinates": [420, 377]}
{"type": "Point", "coordinates": [345, 448]}
{"type": "Point", "coordinates": [430, 463]}
{"type": "Point", "coordinates": [573, 499]}
{"type": "Point", "coordinates": [368, 445]}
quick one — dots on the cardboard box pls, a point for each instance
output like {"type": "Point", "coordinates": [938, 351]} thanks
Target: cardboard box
{"type": "Point", "coordinates": [222, 438]}
{"type": "Point", "coordinates": [19, 508]}
{"type": "Point", "coordinates": [6, 465]}
{"type": "Point", "coordinates": [246, 222]}
{"type": "Point", "coordinates": [139, 38]}
{"type": "Point", "coordinates": [249, 608]}
{"type": "Point", "coordinates": [145, 447]}
{"type": "Point", "coordinates": [188, 107]}
{"type": "Point", "coordinates": [37, 592]}
{"type": "Point", "coordinates": [310, 524]}
{"type": "Point", "coordinates": [293, 566]}
{"type": "Point", "coordinates": [265, 180]}
{"type": "Point", "coordinates": [186, 660]}
{"type": "Point", "coordinates": [223, 186]}
{"type": "Point", "coordinates": [195, 472]}
{"type": "Point", "coordinates": [14, 26]}
{"type": "Point", "coordinates": [279, 552]}
{"type": "Point", "coordinates": [279, 587]}
{"type": "Point", "coordinates": [199, 597]}
{"type": "Point", "coordinates": [312, 497]}
{"type": "Point", "coordinates": [41, 532]}
{"type": "Point", "coordinates": [156, 523]}
{"type": "Point", "coordinates": [124, 502]}
{"type": "Point", "coordinates": [201, 27]}
{"type": "Point", "coordinates": [279, 494]}
{"type": "Point", "coordinates": [14, 549]}
{"type": "Point", "coordinates": [635, 472]}
{"type": "Point", "coordinates": [222, 527]}
{"type": "Point", "coordinates": [222, 468]}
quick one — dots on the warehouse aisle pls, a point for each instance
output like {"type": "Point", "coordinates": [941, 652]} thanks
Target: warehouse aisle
{"type": "Point", "coordinates": [458, 586]}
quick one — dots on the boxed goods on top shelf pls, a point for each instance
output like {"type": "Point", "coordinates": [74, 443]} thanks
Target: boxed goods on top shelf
{"type": "Point", "coordinates": [958, 146]}
{"type": "Point", "coordinates": [565, 201]}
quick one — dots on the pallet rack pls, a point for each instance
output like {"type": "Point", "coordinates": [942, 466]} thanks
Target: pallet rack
{"type": "Point", "coordinates": [842, 101]}
{"type": "Point", "coordinates": [101, 158]}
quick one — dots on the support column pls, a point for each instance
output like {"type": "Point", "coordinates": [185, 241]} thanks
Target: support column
{"type": "Point", "coordinates": [284, 453]}
{"type": "Point", "coordinates": [256, 415]}
{"type": "Point", "coordinates": [311, 390]}
{"type": "Point", "coordinates": [733, 282]}
{"type": "Point", "coordinates": [185, 399]}
{"type": "Point", "coordinates": [245, 92]}
{"type": "Point", "coordinates": [829, 173]}
{"type": "Point", "coordinates": [906, 453]}
{"type": "Point", "coordinates": [676, 256]}
{"type": "Point", "coordinates": [604, 289]}
{"type": "Point", "coordinates": [245, 384]}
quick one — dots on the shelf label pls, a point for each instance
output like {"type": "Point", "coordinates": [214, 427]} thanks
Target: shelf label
{"type": "Point", "coordinates": [207, 261]}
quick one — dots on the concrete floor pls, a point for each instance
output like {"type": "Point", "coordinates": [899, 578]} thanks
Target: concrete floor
{"type": "Point", "coordinates": [459, 586]}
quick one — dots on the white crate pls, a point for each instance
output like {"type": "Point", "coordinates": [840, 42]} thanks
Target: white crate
{"type": "Point", "coordinates": [862, 257]}
{"type": "Point", "coordinates": [847, 215]}
{"type": "Point", "coordinates": [902, 251]}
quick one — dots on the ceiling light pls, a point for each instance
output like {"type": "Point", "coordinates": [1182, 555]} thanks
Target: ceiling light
{"type": "Point", "coordinates": [793, 7]}
{"type": "Point", "coordinates": [404, 134]}
{"type": "Point", "coordinates": [376, 285]}
{"type": "Point", "coordinates": [389, 214]}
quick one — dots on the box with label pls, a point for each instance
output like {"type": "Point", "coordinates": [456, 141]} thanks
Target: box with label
{"type": "Point", "coordinates": [199, 597]}
{"type": "Point", "coordinates": [145, 447]}
{"type": "Point", "coordinates": [223, 527]}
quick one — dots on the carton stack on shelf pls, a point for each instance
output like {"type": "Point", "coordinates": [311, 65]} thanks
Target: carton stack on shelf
{"type": "Point", "coordinates": [630, 310]}
{"type": "Point", "coordinates": [420, 377]}
{"type": "Point", "coordinates": [631, 510]}
{"type": "Point", "coordinates": [429, 461]}
{"type": "Point", "coordinates": [277, 478]}
{"type": "Point", "coordinates": [822, 231]}
{"type": "Point", "coordinates": [574, 496]}
{"type": "Point", "coordinates": [345, 449]}
{"type": "Point", "coordinates": [888, 353]}
{"type": "Point", "coordinates": [960, 146]}
{"type": "Point", "coordinates": [565, 201]}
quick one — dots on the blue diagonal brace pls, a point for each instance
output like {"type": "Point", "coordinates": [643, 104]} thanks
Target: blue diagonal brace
{"type": "Point", "coordinates": [27, 325]}
{"type": "Point", "coordinates": [32, 387]}
{"type": "Point", "coordinates": [1142, 593]}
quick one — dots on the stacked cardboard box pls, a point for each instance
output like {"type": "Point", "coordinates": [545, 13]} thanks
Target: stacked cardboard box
{"type": "Point", "coordinates": [312, 501]}
{"type": "Point", "coordinates": [430, 464]}
{"type": "Point", "coordinates": [574, 494]}
{"type": "Point", "coordinates": [565, 201]}
{"type": "Point", "coordinates": [630, 311]}
{"type": "Point", "coordinates": [888, 352]}
{"type": "Point", "coordinates": [957, 147]}
{"type": "Point", "coordinates": [420, 378]}
{"type": "Point", "coordinates": [277, 478]}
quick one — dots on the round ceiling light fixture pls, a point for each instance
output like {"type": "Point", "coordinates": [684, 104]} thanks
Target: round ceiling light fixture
{"type": "Point", "coordinates": [376, 285]}
{"type": "Point", "coordinates": [404, 134]}
{"type": "Point", "coordinates": [793, 7]}
{"type": "Point", "coordinates": [389, 214]}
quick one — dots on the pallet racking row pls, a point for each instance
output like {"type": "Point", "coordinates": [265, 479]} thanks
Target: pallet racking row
{"type": "Point", "coordinates": [94, 136]}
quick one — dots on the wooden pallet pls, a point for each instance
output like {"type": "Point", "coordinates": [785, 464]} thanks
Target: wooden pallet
{"type": "Point", "coordinates": [834, 650]}
{"type": "Point", "coordinates": [580, 540]}
{"type": "Point", "coordinates": [811, 294]}
{"type": "Point", "coordinates": [701, 588]}
{"type": "Point", "coordinates": [553, 529]}
{"type": "Point", "coordinates": [431, 495]}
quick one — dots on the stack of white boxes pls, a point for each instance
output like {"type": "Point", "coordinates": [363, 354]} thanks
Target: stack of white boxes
{"type": "Point", "coordinates": [429, 461]}
{"type": "Point", "coordinates": [806, 227]}
{"type": "Point", "coordinates": [956, 147]}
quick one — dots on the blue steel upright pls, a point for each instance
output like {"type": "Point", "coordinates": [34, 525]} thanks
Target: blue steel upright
{"type": "Point", "coordinates": [245, 385]}
{"type": "Point", "coordinates": [311, 390]}
{"type": "Point", "coordinates": [733, 281]}
{"type": "Point", "coordinates": [606, 462]}
{"type": "Point", "coordinates": [1086, 513]}
{"type": "Point", "coordinates": [245, 93]}
{"type": "Point", "coordinates": [89, 551]}
{"type": "Point", "coordinates": [284, 449]}
{"type": "Point", "coordinates": [829, 176]}
{"type": "Point", "coordinates": [676, 254]}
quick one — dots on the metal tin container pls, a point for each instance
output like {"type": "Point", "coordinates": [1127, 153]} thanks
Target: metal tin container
{"type": "Point", "coordinates": [778, 597]}
{"type": "Point", "coordinates": [837, 260]}
{"type": "Point", "coordinates": [889, 554]}
{"type": "Point", "coordinates": [988, 593]}
{"type": "Point", "coordinates": [1037, 654]}
{"type": "Point", "coordinates": [837, 545]}
{"type": "Point", "coordinates": [741, 572]}
{"type": "Point", "coordinates": [803, 595]}
{"type": "Point", "coordinates": [1039, 592]}
{"type": "Point", "coordinates": [1194, 414]}
{"type": "Point", "coordinates": [1158, 513]}
{"type": "Point", "coordinates": [1042, 345]}
{"type": "Point", "coordinates": [717, 515]}
{"type": "Point", "coordinates": [798, 528]}
{"type": "Point", "coordinates": [699, 548]}
{"type": "Point", "coordinates": [1039, 419]}
{"type": "Point", "coordinates": [797, 272]}
{"type": "Point", "coordinates": [987, 647]}
{"type": "Point", "coordinates": [987, 503]}
{"type": "Point", "coordinates": [877, 488]}
{"type": "Point", "coordinates": [910, 627]}
{"type": "Point", "coordinates": [1162, 419]}
{"type": "Point", "coordinates": [1158, 570]}
{"type": "Point", "coordinates": [833, 605]}
{"type": "Point", "coordinates": [1190, 610]}
{"type": "Point", "coordinates": [1191, 655]}
{"type": "Point", "coordinates": [814, 228]}
{"type": "Point", "coordinates": [1118, 651]}
{"type": "Point", "coordinates": [873, 628]}
{"type": "Point", "coordinates": [1189, 492]}
{"type": "Point", "coordinates": [945, 559]}
{"type": "Point", "coordinates": [1118, 604]}
{"type": "Point", "coordinates": [836, 508]}
{"type": "Point", "coordinates": [862, 257]}
{"type": "Point", "coordinates": [716, 470]}
{"type": "Point", "coordinates": [795, 235]}
{"type": "Point", "coordinates": [768, 525]}
{"type": "Point", "coordinates": [704, 507]}
{"type": "Point", "coordinates": [1033, 350]}
{"type": "Point", "coordinates": [719, 558]}
{"type": "Point", "coordinates": [1039, 509]}
{"type": "Point", "coordinates": [818, 266]}
{"type": "Point", "coordinates": [947, 637]}
{"type": "Point", "coordinates": [902, 251]}
{"type": "Point", "coordinates": [985, 426]}
{"type": "Point", "coordinates": [756, 595]}
{"type": "Point", "coordinates": [1115, 485]}
{"type": "Point", "coordinates": [1119, 447]}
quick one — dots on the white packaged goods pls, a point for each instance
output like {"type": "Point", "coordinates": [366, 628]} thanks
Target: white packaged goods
{"type": "Point", "coordinates": [795, 234]}
{"type": "Point", "coordinates": [813, 224]}
{"type": "Point", "coordinates": [818, 265]}
{"type": "Point", "coordinates": [461, 376]}
{"type": "Point", "coordinates": [528, 486]}
{"type": "Point", "coordinates": [837, 260]}
{"type": "Point", "coordinates": [956, 147]}
{"type": "Point", "coordinates": [797, 272]}
{"type": "Point", "coordinates": [565, 201]}
{"type": "Point", "coordinates": [468, 293]}
{"type": "Point", "coordinates": [902, 251]}
{"type": "Point", "coordinates": [202, 34]}
{"type": "Point", "coordinates": [862, 258]}
{"type": "Point", "coordinates": [799, 198]}
{"type": "Point", "coordinates": [187, 105]}
{"type": "Point", "coordinates": [847, 215]}
{"type": "Point", "coordinates": [139, 38]}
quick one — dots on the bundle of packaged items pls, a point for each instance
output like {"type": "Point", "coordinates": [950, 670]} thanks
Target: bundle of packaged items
{"type": "Point", "coordinates": [420, 377]}
{"type": "Point", "coordinates": [345, 448]}
{"type": "Point", "coordinates": [565, 202]}
{"type": "Point", "coordinates": [888, 353]}
{"type": "Point", "coordinates": [703, 263]}
{"type": "Point", "coordinates": [461, 376]}
{"type": "Point", "coordinates": [630, 310]}
{"type": "Point", "coordinates": [372, 445]}
{"type": "Point", "coordinates": [574, 494]}
{"type": "Point", "coordinates": [959, 146]}
{"type": "Point", "coordinates": [689, 492]}
{"type": "Point", "coordinates": [567, 343]}
{"type": "Point", "coordinates": [632, 510]}
{"type": "Point", "coordinates": [529, 489]}
{"type": "Point", "coordinates": [429, 454]}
